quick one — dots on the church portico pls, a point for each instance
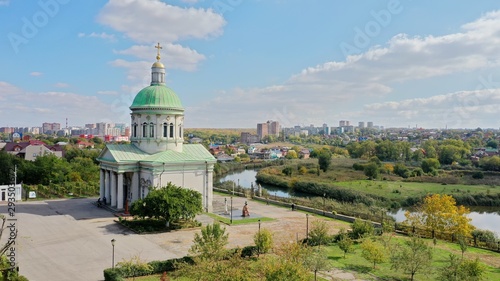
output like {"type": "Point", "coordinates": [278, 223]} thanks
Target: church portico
{"type": "Point", "coordinates": [157, 154]}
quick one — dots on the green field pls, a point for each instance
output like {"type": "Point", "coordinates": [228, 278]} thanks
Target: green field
{"type": "Point", "coordinates": [399, 189]}
{"type": "Point", "coordinates": [441, 251]}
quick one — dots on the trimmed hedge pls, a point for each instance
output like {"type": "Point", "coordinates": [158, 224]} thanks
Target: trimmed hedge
{"type": "Point", "coordinates": [113, 274]}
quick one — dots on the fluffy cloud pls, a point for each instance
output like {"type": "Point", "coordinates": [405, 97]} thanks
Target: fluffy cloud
{"type": "Point", "coordinates": [172, 55]}
{"type": "Point", "coordinates": [459, 109]}
{"type": "Point", "coordinates": [24, 107]}
{"type": "Point", "coordinates": [152, 21]}
{"type": "Point", "coordinates": [36, 73]}
{"type": "Point", "coordinates": [102, 35]}
{"type": "Point", "coordinates": [61, 85]}
{"type": "Point", "coordinates": [339, 90]}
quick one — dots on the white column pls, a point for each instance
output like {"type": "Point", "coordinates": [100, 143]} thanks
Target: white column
{"type": "Point", "coordinates": [107, 186]}
{"type": "Point", "coordinates": [135, 187]}
{"type": "Point", "coordinates": [119, 197]}
{"type": "Point", "coordinates": [101, 186]}
{"type": "Point", "coordinates": [113, 189]}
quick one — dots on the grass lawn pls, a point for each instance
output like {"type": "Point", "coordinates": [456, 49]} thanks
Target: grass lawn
{"type": "Point", "coordinates": [355, 262]}
{"type": "Point", "coordinates": [399, 189]}
{"type": "Point", "coordinates": [238, 221]}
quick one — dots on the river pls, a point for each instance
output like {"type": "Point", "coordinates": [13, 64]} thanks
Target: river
{"type": "Point", "coordinates": [487, 218]}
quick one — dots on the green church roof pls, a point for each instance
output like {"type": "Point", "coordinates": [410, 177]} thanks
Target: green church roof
{"type": "Point", "coordinates": [157, 97]}
{"type": "Point", "coordinates": [129, 153]}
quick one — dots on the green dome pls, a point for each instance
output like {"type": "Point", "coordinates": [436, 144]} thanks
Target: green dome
{"type": "Point", "coordinates": [157, 97]}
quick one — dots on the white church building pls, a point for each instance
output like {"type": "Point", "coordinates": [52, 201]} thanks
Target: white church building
{"type": "Point", "coordinates": [156, 154]}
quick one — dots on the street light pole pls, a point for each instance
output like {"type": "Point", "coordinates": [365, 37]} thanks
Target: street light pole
{"type": "Point", "coordinates": [260, 239]}
{"type": "Point", "coordinates": [307, 226]}
{"type": "Point", "coordinates": [231, 211]}
{"type": "Point", "coordinates": [113, 256]}
{"type": "Point", "coordinates": [324, 197]}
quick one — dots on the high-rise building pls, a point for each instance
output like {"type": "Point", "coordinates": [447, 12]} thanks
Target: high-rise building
{"type": "Point", "coordinates": [273, 128]}
{"type": "Point", "coordinates": [343, 123]}
{"type": "Point", "coordinates": [369, 124]}
{"type": "Point", "coordinates": [361, 125]}
{"type": "Point", "coordinates": [51, 127]}
{"type": "Point", "coordinates": [262, 130]}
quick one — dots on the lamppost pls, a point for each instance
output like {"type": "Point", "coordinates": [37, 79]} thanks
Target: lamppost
{"type": "Point", "coordinates": [231, 211]}
{"type": "Point", "coordinates": [113, 257]}
{"type": "Point", "coordinates": [324, 198]}
{"type": "Point", "coordinates": [260, 239]}
{"type": "Point", "coordinates": [307, 226]}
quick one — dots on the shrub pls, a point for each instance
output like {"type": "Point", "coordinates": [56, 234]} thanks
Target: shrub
{"type": "Point", "coordinates": [358, 166]}
{"type": "Point", "coordinates": [263, 240]}
{"type": "Point", "coordinates": [113, 274]}
{"type": "Point", "coordinates": [248, 251]}
{"type": "Point", "coordinates": [361, 228]}
{"type": "Point", "coordinates": [478, 175]}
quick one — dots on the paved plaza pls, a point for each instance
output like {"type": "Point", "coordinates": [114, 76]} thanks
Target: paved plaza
{"type": "Point", "coordinates": [70, 239]}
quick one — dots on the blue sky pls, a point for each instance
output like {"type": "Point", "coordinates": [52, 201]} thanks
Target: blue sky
{"type": "Point", "coordinates": [235, 63]}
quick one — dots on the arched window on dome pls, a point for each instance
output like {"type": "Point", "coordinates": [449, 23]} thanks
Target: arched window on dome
{"type": "Point", "coordinates": [151, 130]}
{"type": "Point", "coordinates": [144, 130]}
{"type": "Point", "coordinates": [171, 130]}
{"type": "Point", "coordinates": [165, 128]}
{"type": "Point", "coordinates": [134, 130]}
{"type": "Point", "coordinates": [180, 131]}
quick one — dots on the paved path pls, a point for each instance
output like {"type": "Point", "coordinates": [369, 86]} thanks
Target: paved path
{"type": "Point", "coordinates": [70, 239]}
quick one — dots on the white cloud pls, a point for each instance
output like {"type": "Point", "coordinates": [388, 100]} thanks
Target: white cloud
{"type": "Point", "coordinates": [190, 1]}
{"type": "Point", "coordinates": [61, 85]}
{"type": "Point", "coordinates": [24, 107]}
{"type": "Point", "coordinates": [36, 73]}
{"type": "Point", "coordinates": [136, 70]}
{"type": "Point", "coordinates": [337, 90]}
{"type": "Point", "coordinates": [459, 109]}
{"type": "Point", "coordinates": [102, 35]}
{"type": "Point", "coordinates": [4, 2]}
{"type": "Point", "coordinates": [172, 55]}
{"type": "Point", "coordinates": [153, 21]}
{"type": "Point", "coordinates": [107, 93]}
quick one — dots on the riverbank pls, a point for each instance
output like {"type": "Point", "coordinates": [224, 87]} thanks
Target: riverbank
{"type": "Point", "coordinates": [344, 184]}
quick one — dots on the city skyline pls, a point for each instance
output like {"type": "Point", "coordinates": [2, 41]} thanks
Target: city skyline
{"type": "Point", "coordinates": [236, 63]}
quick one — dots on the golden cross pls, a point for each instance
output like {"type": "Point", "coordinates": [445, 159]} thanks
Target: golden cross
{"type": "Point", "coordinates": [158, 54]}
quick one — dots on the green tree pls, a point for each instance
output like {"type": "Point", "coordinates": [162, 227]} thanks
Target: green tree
{"type": "Point", "coordinates": [318, 235]}
{"type": "Point", "coordinates": [361, 228]}
{"type": "Point", "coordinates": [458, 269]}
{"type": "Point", "coordinates": [289, 264]}
{"type": "Point", "coordinates": [345, 242]}
{"type": "Point", "coordinates": [430, 164]}
{"type": "Point", "coordinates": [492, 144]}
{"type": "Point", "coordinates": [462, 242]}
{"type": "Point", "coordinates": [291, 154]}
{"type": "Point", "coordinates": [490, 163]}
{"type": "Point", "coordinates": [324, 159]}
{"type": "Point", "coordinates": [317, 260]}
{"type": "Point", "coordinates": [170, 203]}
{"type": "Point", "coordinates": [413, 256]}
{"type": "Point", "coordinates": [373, 252]}
{"type": "Point", "coordinates": [263, 240]}
{"type": "Point", "coordinates": [210, 243]}
{"type": "Point", "coordinates": [371, 170]}
{"type": "Point", "coordinates": [401, 170]}
{"type": "Point", "coordinates": [288, 171]}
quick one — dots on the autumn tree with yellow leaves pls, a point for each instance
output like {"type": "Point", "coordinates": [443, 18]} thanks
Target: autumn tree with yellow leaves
{"type": "Point", "coordinates": [440, 213]}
